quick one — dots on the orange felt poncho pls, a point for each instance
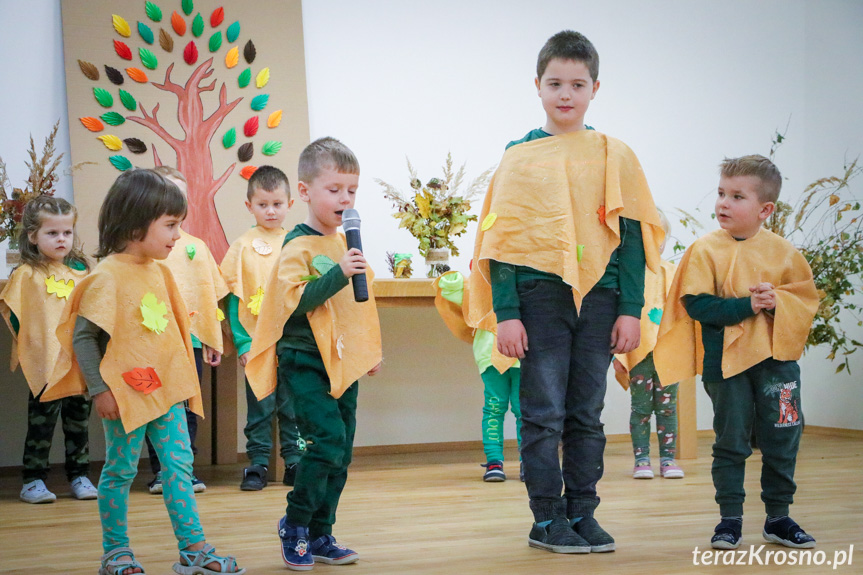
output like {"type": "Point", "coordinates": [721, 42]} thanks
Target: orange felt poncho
{"type": "Point", "coordinates": [348, 333]}
{"type": "Point", "coordinates": [555, 205]}
{"type": "Point", "coordinates": [720, 265]}
{"type": "Point", "coordinates": [121, 295]}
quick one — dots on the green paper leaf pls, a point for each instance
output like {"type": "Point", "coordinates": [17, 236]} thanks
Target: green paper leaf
{"type": "Point", "coordinates": [230, 138]}
{"type": "Point", "coordinates": [112, 118]}
{"type": "Point", "coordinates": [260, 102]}
{"type": "Point", "coordinates": [309, 278]}
{"type": "Point", "coordinates": [198, 26]}
{"type": "Point", "coordinates": [145, 32]}
{"type": "Point", "coordinates": [122, 163]}
{"type": "Point", "coordinates": [188, 6]}
{"type": "Point", "coordinates": [233, 32]}
{"type": "Point", "coordinates": [153, 312]}
{"type": "Point", "coordinates": [128, 100]}
{"type": "Point", "coordinates": [215, 41]}
{"type": "Point", "coordinates": [580, 252]}
{"type": "Point", "coordinates": [190, 251]}
{"type": "Point", "coordinates": [148, 59]}
{"type": "Point", "coordinates": [323, 264]}
{"type": "Point", "coordinates": [655, 315]}
{"type": "Point", "coordinates": [104, 97]}
{"type": "Point", "coordinates": [244, 78]}
{"type": "Point", "coordinates": [271, 148]}
{"type": "Point", "coordinates": [154, 13]}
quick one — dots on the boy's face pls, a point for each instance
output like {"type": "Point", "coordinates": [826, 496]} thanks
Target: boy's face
{"type": "Point", "coordinates": [566, 90]}
{"type": "Point", "coordinates": [328, 195]}
{"type": "Point", "coordinates": [269, 207]}
{"type": "Point", "coordinates": [738, 209]}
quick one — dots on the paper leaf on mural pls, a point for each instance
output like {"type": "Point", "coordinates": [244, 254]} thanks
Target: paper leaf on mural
{"type": "Point", "coordinates": [112, 142]}
{"type": "Point", "coordinates": [153, 313]}
{"type": "Point", "coordinates": [233, 32]}
{"type": "Point", "coordinates": [104, 97]}
{"type": "Point", "coordinates": [255, 301]}
{"type": "Point", "coordinates": [89, 70]}
{"type": "Point", "coordinates": [122, 50]}
{"type": "Point", "coordinates": [244, 78]}
{"type": "Point", "coordinates": [275, 119]}
{"type": "Point", "coordinates": [215, 42]}
{"type": "Point", "coordinates": [250, 128]}
{"type": "Point", "coordinates": [191, 250]}
{"type": "Point", "coordinates": [198, 26]}
{"type": "Point", "coordinates": [271, 148]}
{"type": "Point", "coordinates": [178, 24]}
{"type": "Point", "coordinates": [135, 145]}
{"type": "Point", "coordinates": [92, 124]}
{"type": "Point", "coordinates": [188, 6]}
{"type": "Point", "coordinates": [148, 59]}
{"type": "Point", "coordinates": [137, 74]}
{"type": "Point", "coordinates": [217, 17]}
{"type": "Point", "coordinates": [230, 138]}
{"type": "Point", "coordinates": [114, 75]}
{"type": "Point", "coordinates": [247, 172]}
{"type": "Point", "coordinates": [121, 26]}
{"type": "Point", "coordinates": [249, 52]}
{"type": "Point", "coordinates": [145, 32]}
{"type": "Point", "coordinates": [232, 57]}
{"type": "Point", "coordinates": [60, 288]}
{"type": "Point", "coordinates": [262, 78]}
{"type": "Point", "coordinates": [143, 379]}
{"type": "Point", "coordinates": [190, 54]}
{"type": "Point", "coordinates": [128, 100]}
{"type": "Point", "coordinates": [120, 162]}
{"type": "Point", "coordinates": [112, 118]}
{"type": "Point", "coordinates": [154, 13]}
{"type": "Point", "coordinates": [245, 152]}
{"type": "Point", "coordinates": [165, 40]}
{"type": "Point", "coordinates": [260, 102]}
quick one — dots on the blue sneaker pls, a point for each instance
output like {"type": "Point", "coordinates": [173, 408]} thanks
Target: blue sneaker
{"type": "Point", "coordinates": [326, 550]}
{"type": "Point", "coordinates": [493, 471]}
{"type": "Point", "coordinates": [295, 546]}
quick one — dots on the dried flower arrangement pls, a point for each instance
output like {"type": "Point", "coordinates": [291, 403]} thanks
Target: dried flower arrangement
{"type": "Point", "coordinates": [400, 265]}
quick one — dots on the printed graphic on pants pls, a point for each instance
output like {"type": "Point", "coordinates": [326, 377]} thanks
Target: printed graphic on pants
{"type": "Point", "coordinates": [789, 397]}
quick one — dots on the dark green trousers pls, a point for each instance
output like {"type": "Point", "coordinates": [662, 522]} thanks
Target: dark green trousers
{"type": "Point", "coordinates": [74, 412]}
{"type": "Point", "coordinates": [768, 397]}
{"type": "Point", "coordinates": [259, 426]}
{"type": "Point", "coordinates": [328, 426]}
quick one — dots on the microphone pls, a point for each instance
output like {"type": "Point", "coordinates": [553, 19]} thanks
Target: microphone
{"type": "Point", "coordinates": [351, 225]}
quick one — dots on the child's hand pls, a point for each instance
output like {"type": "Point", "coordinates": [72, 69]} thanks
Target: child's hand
{"type": "Point", "coordinates": [618, 367]}
{"type": "Point", "coordinates": [211, 356]}
{"type": "Point", "coordinates": [353, 263]}
{"type": "Point", "coordinates": [511, 338]}
{"type": "Point", "coordinates": [106, 405]}
{"type": "Point", "coordinates": [626, 334]}
{"type": "Point", "coordinates": [764, 300]}
{"type": "Point", "coordinates": [762, 287]}
{"type": "Point", "coordinates": [244, 358]}
{"type": "Point", "coordinates": [375, 369]}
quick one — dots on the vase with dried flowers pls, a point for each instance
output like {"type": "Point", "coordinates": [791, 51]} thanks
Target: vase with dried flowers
{"type": "Point", "coordinates": [436, 213]}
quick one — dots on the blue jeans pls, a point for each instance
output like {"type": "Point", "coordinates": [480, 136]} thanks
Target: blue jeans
{"type": "Point", "coordinates": [563, 381]}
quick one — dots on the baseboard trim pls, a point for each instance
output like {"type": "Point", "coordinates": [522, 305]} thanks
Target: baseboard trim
{"type": "Point", "coordinates": [833, 431]}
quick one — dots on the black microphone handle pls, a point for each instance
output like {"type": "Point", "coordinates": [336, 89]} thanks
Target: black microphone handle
{"type": "Point", "coordinates": [358, 282]}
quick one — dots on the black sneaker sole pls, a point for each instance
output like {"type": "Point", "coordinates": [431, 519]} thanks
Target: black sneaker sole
{"type": "Point", "coordinates": [777, 539]}
{"type": "Point", "coordinates": [724, 544]}
{"type": "Point", "coordinates": [572, 549]}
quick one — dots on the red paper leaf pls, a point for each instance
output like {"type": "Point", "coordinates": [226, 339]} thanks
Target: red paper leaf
{"type": "Point", "coordinates": [178, 23]}
{"type": "Point", "coordinates": [217, 16]}
{"type": "Point", "coordinates": [247, 172]}
{"type": "Point", "coordinates": [190, 54]}
{"type": "Point", "coordinates": [143, 379]}
{"type": "Point", "coordinates": [251, 127]}
{"type": "Point", "coordinates": [122, 50]}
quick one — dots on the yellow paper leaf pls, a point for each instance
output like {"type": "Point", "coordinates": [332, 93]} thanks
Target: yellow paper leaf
{"type": "Point", "coordinates": [121, 26]}
{"type": "Point", "coordinates": [255, 301]}
{"type": "Point", "coordinates": [488, 221]}
{"type": "Point", "coordinates": [423, 205]}
{"type": "Point", "coordinates": [232, 57]}
{"type": "Point", "coordinates": [220, 315]}
{"type": "Point", "coordinates": [275, 119]}
{"type": "Point", "coordinates": [113, 143]}
{"type": "Point", "coordinates": [262, 78]}
{"type": "Point", "coordinates": [60, 288]}
{"type": "Point", "coordinates": [153, 312]}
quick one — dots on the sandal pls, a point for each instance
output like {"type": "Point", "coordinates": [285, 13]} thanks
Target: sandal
{"type": "Point", "coordinates": [113, 566]}
{"type": "Point", "coordinates": [193, 563]}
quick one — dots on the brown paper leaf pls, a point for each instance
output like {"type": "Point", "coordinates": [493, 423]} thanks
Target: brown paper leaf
{"type": "Point", "coordinates": [135, 145]}
{"type": "Point", "coordinates": [165, 41]}
{"type": "Point", "coordinates": [115, 75]}
{"type": "Point", "coordinates": [249, 52]}
{"type": "Point", "coordinates": [89, 70]}
{"type": "Point", "coordinates": [246, 151]}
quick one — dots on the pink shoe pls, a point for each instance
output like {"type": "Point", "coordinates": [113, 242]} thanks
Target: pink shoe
{"type": "Point", "coordinates": [670, 470]}
{"type": "Point", "coordinates": [642, 470]}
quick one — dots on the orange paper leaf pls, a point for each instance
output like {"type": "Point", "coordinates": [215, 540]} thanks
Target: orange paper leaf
{"type": "Point", "coordinates": [143, 379]}
{"type": "Point", "coordinates": [178, 23]}
{"type": "Point", "coordinates": [232, 57]}
{"type": "Point", "coordinates": [601, 213]}
{"type": "Point", "coordinates": [217, 16]}
{"type": "Point", "coordinates": [92, 124]}
{"type": "Point", "coordinates": [137, 74]}
{"type": "Point", "coordinates": [275, 119]}
{"type": "Point", "coordinates": [247, 172]}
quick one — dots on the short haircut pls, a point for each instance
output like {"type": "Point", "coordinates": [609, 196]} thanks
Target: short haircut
{"type": "Point", "coordinates": [326, 153]}
{"type": "Point", "coordinates": [31, 220]}
{"type": "Point", "coordinates": [170, 172]}
{"type": "Point", "coordinates": [267, 178]}
{"type": "Point", "coordinates": [569, 45]}
{"type": "Point", "coordinates": [758, 166]}
{"type": "Point", "coordinates": [137, 198]}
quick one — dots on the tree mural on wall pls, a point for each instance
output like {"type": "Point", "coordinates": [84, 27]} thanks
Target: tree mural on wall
{"type": "Point", "coordinates": [192, 148]}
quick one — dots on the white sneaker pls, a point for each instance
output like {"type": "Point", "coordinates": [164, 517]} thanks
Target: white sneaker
{"type": "Point", "coordinates": [36, 492]}
{"type": "Point", "coordinates": [83, 489]}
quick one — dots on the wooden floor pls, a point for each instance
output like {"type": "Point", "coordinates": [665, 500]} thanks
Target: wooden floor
{"type": "Point", "coordinates": [430, 513]}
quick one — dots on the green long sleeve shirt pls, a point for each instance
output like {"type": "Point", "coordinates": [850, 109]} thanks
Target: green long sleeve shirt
{"type": "Point", "coordinates": [242, 340]}
{"type": "Point", "coordinates": [715, 314]}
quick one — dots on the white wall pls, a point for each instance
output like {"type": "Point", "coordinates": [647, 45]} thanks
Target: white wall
{"type": "Point", "coordinates": [684, 83]}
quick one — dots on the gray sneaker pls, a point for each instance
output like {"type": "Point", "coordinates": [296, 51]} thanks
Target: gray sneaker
{"type": "Point", "coordinates": [596, 536]}
{"type": "Point", "coordinates": [557, 537]}
{"type": "Point", "coordinates": [82, 488]}
{"type": "Point", "coordinates": [36, 492]}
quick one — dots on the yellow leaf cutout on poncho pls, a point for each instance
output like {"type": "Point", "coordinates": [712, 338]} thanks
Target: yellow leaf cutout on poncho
{"type": "Point", "coordinates": [60, 288]}
{"type": "Point", "coordinates": [347, 332]}
{"type": "Point", "coordinates": [546, 194]}
{"type": "Point", "coordinates": [718, 264]}
{"type": "Point", "coordinates": [256, 301]}
{"type": "Point", "coordinates": [153, 311]}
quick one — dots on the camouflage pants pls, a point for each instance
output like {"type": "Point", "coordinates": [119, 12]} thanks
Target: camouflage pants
{"type": "Point", "coordinates": [41, 420]}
